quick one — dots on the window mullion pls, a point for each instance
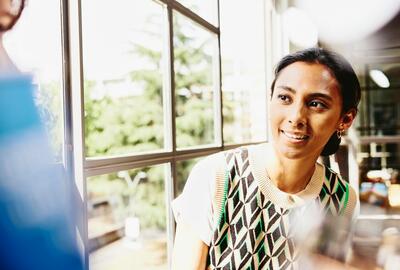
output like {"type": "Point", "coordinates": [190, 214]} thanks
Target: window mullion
{"type": "Point", "coordinates": [170, 114]}
{"type": "Point", "coordinates": [77, 109]}
{"type": "Point", "coordinates": [218, 100]}
{"type": "Point", "coordinates": [193, 16]}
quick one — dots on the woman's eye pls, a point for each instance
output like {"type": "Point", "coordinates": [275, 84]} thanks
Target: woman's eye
{"type": "Point", "coordinates": [283, 98]}
{"type": "Point", "coordinates": [318, 104]}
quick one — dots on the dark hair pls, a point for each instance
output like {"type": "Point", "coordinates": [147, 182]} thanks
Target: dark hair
{"type": "Point", "coordinates": [343, 73]}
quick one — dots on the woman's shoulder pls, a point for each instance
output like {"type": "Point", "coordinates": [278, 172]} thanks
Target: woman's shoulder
{"type": "Point", "coordinates": [226, 154]}
{"type": "Point", "coordinates": [215, 165]}
{"type": "Point", "coordinates": [209, 162]}
{"type": "Point", "coordinates": [258, 150]}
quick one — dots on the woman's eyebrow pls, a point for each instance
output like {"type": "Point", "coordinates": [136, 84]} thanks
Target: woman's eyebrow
{"type": "Point", "coordinates": [321, 95]}
{"type": "Point", "coordinates": [312, 95]}
{"type": "Point", "coordinates": [288, 88]}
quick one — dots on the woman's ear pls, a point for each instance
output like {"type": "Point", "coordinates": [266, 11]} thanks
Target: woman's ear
{"type": "Point", "coordinates": [347, 119]}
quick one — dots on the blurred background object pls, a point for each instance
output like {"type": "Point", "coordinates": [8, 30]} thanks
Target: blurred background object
{"type": "Point", "coordinates": [388, 256]}
{"type": "Point", "coordinates": [343, 21]}
{"type": "Point", "coordinates": [36, 225]}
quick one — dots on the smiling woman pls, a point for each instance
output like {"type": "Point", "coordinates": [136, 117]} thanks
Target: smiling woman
{"type": "Point", "coordinates": [248, 207]}
{"type": "Point", "coordinates": [305, 110]}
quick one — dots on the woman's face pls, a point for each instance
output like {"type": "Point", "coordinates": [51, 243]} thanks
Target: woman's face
{"type": "Point", "coordinates": [305, 110]}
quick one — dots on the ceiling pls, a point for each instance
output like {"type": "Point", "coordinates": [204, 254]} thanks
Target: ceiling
{"type": "Point", "coordinates": [381, 46]}
{"type": "Point", "coordinates": [380, 50]}
{"type": "Point", "coordinates": [386, 38]}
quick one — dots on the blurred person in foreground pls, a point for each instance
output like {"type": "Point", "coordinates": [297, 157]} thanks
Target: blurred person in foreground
{"type": "Point", "coordinates": [273, 205]}
{"type": "Point", "coordinates": [36, 229]}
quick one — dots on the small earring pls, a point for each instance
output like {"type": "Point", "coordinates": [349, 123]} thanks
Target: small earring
{"type": "Point", "coordinates": [339, 133]}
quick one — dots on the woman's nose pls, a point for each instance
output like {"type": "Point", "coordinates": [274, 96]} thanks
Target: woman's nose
{"type": "Point", "coordinates": [298, 116]}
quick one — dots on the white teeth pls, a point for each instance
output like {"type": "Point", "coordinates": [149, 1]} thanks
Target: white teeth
{"type": "Point", "coordinates": [296, 137]}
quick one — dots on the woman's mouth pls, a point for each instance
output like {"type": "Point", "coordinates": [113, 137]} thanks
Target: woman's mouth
{"type": "Point", "coordinates": [295, 136]}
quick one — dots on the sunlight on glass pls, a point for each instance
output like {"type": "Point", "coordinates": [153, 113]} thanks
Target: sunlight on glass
{"type": "Point", "coordinates": [34, 44]}
{"type": "Point", "coordinates": [243, 72]}
{"type": "Point", "coordinates": [207, 9]}
{"type": "Point", "coordinates": [127, 220]}
{"type": "Point", "coordinates": [123, 72]}
{"type": "Point", "coordinates": [194, 61]}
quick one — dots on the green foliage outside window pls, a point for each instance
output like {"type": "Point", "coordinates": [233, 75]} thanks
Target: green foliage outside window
{"type": "Point", "coordinates": [134, 123]}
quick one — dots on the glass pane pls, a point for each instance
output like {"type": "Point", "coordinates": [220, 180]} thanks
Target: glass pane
{"type": "Point", "coordinates": [207, 9]}
{"type": "Point", "coordinates": [195, 83]}
{"type": "Point", "coordinates": [123, 71]}
{"type": "Point", "coordinates": [34, 44]}
{"type": "Point", "coordinates": [183, 169]}
{"type": "Point", "coordinates": [127, 220]}
{"type": "Point", "coordinates": [243, 72]}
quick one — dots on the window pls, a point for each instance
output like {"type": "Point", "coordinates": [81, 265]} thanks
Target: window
{"type": "Point", "coordinates": [208, 9]}
{"type": "Point", "coordinates": [123, 62]}
{"type": "Point", "coordinates": [139, 82]}
{"type": "Point", "coordinates": [195, 59]}
{"type": "Point", "coordinates": [243, 72]}
{"type": "Point", "coordinates": [127, 213]}
{"type": "Point", "coordinates": [153, 108]}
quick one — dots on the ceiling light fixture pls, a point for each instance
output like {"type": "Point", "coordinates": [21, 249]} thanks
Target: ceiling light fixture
{"type": "Point", "coordinates": [379, 78]}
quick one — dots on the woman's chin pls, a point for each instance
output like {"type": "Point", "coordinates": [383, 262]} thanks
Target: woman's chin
{"type": "Point", "coordinates": [294, 152]}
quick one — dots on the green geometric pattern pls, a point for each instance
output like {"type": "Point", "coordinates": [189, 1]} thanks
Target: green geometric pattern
{"type": "Point", "coordinates": [334, 193]}
{"type": "Point", "coordinates": [253, 233]}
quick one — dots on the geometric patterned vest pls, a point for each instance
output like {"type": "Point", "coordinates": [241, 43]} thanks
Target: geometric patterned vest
{"type": "Point", "coordinates": [254, 233]}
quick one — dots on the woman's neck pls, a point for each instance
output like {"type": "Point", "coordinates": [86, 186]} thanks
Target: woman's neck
{"type": "Point", "coordinates": [291, 175]}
